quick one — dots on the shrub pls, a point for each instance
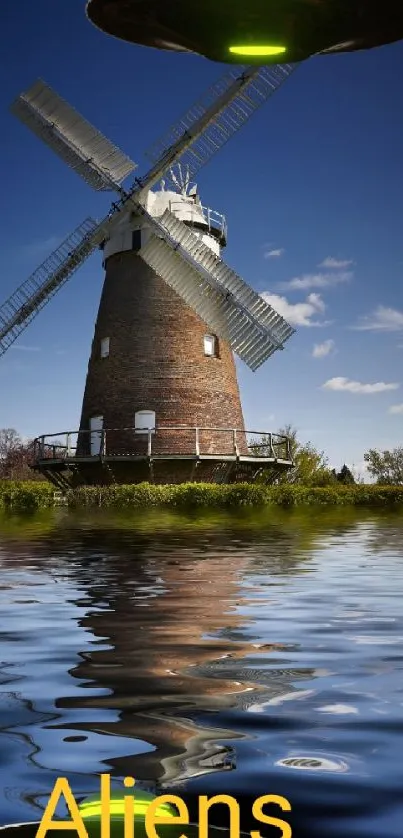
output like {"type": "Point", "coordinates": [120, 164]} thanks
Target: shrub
{"type": "Point", "coordinates": [27, 496]}
{"type": "Point", "coordinates": [210, 495]}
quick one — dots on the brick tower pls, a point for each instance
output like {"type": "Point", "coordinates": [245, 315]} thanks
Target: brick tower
{"type": "Point", "coordinates": [154, 364]}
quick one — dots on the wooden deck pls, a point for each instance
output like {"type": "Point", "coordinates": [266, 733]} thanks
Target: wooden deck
{"type": "Point", "coordinates": [65, 461]}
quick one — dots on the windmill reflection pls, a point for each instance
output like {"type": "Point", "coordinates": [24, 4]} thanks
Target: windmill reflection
{"type": "Point", "coordinates": [172, 618]}
{"type": "Point", "coordinates": [169, 658]}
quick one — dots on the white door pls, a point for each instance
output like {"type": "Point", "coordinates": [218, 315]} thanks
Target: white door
{"type": "Point", "coordinates": [96, 425]}
{"type": "Point", "coordinates": [144, 421]}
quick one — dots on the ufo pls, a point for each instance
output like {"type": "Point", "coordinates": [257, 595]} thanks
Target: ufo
{"type": "Point", "coordinates": [251, 31]}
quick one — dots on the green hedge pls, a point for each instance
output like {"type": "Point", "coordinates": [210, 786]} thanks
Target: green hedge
{"type": "Point", "coordinates": [184, 496]}
{"type": "Point", "coordinates": [28, 496]}
{"type": "Point", "coordinates": [207, 495]}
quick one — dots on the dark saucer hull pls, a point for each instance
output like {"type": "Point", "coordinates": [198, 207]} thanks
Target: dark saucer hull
{"type": "Point", "coordinates": [303, 27]}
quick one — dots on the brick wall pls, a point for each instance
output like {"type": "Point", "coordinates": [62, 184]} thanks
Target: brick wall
{"type": "Point", "coordinates": [156, 362]}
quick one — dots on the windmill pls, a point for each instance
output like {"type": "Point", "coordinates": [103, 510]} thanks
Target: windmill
{"type": "Point", "coordinates": [161, 398]}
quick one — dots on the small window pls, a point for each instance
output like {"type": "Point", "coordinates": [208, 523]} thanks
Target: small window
{"type": "Point", "coordinates": [104, 347]}
{"type": "Point", "coordinates": [210, 345]}
{"type": "Point", "coordinates": [144, 421]}
{"type": "Point", "coordinates": [136, 240]}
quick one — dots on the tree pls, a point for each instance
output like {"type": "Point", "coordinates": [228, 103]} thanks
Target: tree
{"type": "Point", "coordinates": [386, 466]}
{"type": "Point", "coordinates": [16, 456]}
{"type": "Point", "coordinates": [10, 440]}
{"type": "Point", "coordinates": [344, 476]}
{"type": "Point", "coordinates": [310, 466]}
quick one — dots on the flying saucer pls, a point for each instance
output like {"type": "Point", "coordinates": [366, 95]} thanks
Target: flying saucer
{"type": "Point", "coordinates": [251, 31]}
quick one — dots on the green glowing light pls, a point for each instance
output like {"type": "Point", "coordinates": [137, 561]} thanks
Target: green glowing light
{"type": "Point", "coordinates": [257, 50]}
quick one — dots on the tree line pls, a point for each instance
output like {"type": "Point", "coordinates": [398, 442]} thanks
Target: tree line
{"type": "Point", "coordinates": [311, 467]}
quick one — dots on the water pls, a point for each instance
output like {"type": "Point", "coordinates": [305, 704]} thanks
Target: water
{"type": "Point", "coordinates": [238, 655]}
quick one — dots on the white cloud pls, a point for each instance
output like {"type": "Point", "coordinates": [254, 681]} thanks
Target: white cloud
{"type": "Point", "coordinates": [298, 314]}
{"type": "Point", "coordinates": [320, 350]}
{"type": "Point", "coordinates": [344, 385]}
{"type": "Point", "coordinates": [331, 262]}
{"type": "Point", "coordinates": [382, 319]}
{"type": "Point", "coordinates": [273, 254]}
{"type": "Point", "coordinates": [322, 280]}
{"type": "Point", "coordinates": [23, 348]}
{"type": "Point", "coordinates": [396, 408]}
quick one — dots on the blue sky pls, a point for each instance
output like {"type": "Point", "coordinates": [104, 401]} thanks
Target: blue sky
{"type": "Point", "coordinates": [312, 192]}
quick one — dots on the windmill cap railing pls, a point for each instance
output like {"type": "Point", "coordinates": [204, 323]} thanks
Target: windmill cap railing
{"type": "Point", "coordinates": [188, 440]}
{"type": "Point", "coordinates": [199, 214]}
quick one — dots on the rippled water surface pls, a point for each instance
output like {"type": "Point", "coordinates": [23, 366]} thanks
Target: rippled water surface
{"type": "Point", "coordinates": [247, 656]}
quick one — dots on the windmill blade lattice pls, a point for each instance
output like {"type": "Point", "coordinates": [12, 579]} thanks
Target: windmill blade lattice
{"type": "Point", "coordinates": [26, 302]}
{"type": "Point", "coordinates": [98, 161]}
{"type": "Point", "coordinates": [219, 310]}
{"type": "Point", "coordinates": [218, 295]}
{"type": "Point", "coordinates": [227, 278]}
{"type": "Point", "coordinates": [212, 121]}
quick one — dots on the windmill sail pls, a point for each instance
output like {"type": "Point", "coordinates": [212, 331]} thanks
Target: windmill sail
{"type": "Point", "coordinates": [99, 162]}
{"type": "Point", "coordinates": [212, 121]}
{"type": "Point", "coordinates": [218, 295]}
{"type": "Point", "coordinates": [219, 310]}
{"type": "Point", "coordinates": [227, 278]}
{"type": "Point", "coordinates": [26, 302]}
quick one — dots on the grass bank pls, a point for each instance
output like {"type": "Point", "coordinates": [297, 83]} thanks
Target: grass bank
{"type": "Point", "coordinates": [27, 496]}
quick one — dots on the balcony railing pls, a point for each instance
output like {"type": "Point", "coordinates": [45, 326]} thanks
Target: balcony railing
{"type": "Point", "coordinates": [198, 214]}
{"type": "Point", "coordinates": [162, 441]}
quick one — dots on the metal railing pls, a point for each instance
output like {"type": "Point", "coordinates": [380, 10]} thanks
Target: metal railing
{"type": "Point", "coordinates": [162, 440]}
{"type": "Point", "coordinates": [197, 213]}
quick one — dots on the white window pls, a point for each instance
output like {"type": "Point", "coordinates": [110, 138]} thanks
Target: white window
{"type": "Point", "coordinates": [96, 425]}
{"type": "Point", "coordinates": [105, 347]}
{"type": "Point", "coordinates": [210, 345]}
{"type": "Point", "coordinates": [144, 421]}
